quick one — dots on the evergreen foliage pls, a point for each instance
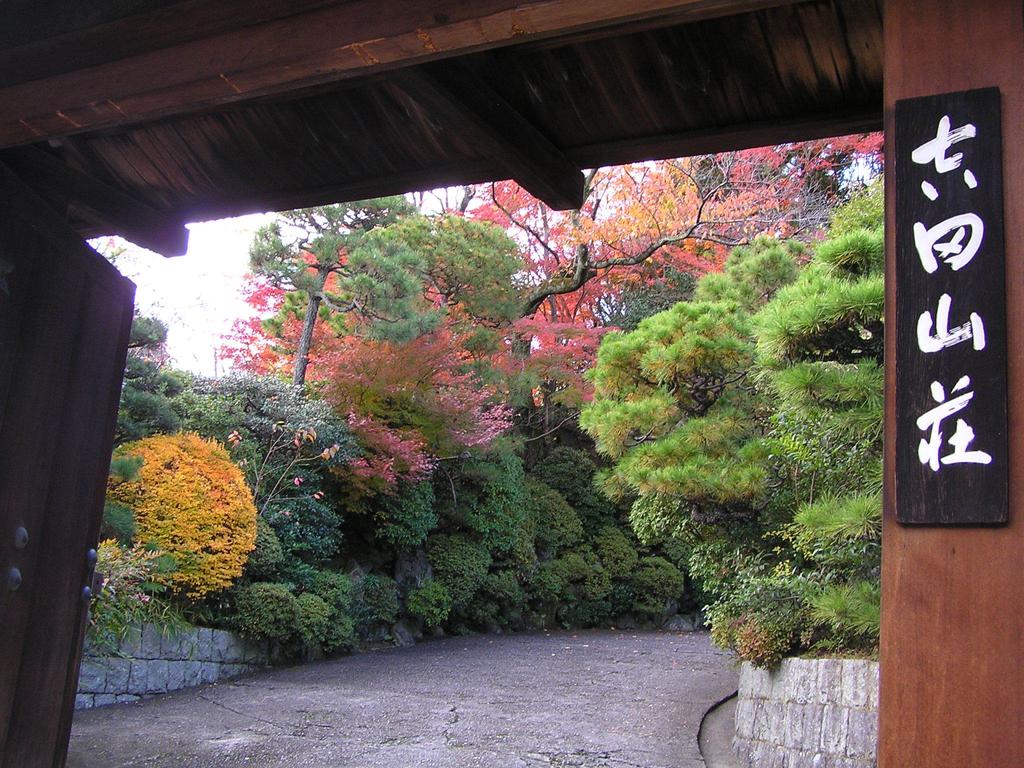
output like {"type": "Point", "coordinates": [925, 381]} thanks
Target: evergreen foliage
{"type": "Point", "coordinates": [430, 603]}
{"type": "Point", "coordinates": [148, 385]}
{"type": "Point", "coordinates": [375, 600]}
{"type": "Point", "coordinates": [656, 582]}
{"type": "Point", "coordinates": [460, 566]}
{"type": "Point", "coordinates": [571, 472]}
{"type": "Point", "coordinates": [745, 430]}
{"type": "Point", "coordinates": [266, 611]}
{"type": "Point", "coordinates": [267, 555]}
{"type": "Point", "coordinates": [405, 518]}
{"type": "Point", "coordinates": [556, 525]}
{"type": "Point", "coordinates": [336, 590]}
{"type": "Point", "coordinates": [672, 403]}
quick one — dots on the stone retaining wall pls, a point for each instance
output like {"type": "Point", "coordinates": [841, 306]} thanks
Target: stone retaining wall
{"type": "Point", "coordinates": [148, 663]}
{"type": "Point", "coordinates": [809, 713]}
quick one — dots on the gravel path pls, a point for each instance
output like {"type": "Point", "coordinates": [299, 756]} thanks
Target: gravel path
{"type": "Point", "coordinates": [587, 699]}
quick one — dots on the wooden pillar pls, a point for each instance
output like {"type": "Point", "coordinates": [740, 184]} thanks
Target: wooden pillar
{"type": "Point", "coordinates": [952, 649]}
{"type": "Point", "coordinates": [65, 318]}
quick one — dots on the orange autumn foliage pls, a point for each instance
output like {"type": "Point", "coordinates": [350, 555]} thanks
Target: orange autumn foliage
{"type": "Point", "coordinates": [191, 502]}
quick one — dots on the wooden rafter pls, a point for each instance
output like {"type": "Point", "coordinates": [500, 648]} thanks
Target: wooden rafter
{"type": "Point", "coordinates": [108, 209]}
{"type": "Point", "coordinates": [313, 46]}
{"type": "Point", "coordinates": [463, 102]}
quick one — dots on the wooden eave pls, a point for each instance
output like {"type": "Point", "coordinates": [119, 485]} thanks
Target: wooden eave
{"type": "Point", "coordinates": [135, 116]}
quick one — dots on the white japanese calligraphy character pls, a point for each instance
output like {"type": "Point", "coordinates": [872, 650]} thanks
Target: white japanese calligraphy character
{"type": "Point", "coordinates": [934, 150]}
{"type": "Point", "coordinates": [930, 242]}
{"type": "Point", "coordinates": [943, 336]}
{"type": "Point", "coordinates": [931, 421]}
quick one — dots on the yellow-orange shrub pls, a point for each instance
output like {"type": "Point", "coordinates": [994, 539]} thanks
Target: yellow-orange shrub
{"type": "Point", "coordinates": [190, 501]}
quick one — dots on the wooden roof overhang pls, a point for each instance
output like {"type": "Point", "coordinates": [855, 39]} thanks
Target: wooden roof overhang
{"type": "Point", "coordinates": [133, 117]}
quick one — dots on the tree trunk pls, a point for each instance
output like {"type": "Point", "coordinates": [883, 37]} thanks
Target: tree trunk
{"type": "Point", "coordinates": [302, 353]}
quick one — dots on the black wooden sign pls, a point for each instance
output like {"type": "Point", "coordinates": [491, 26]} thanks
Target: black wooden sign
{"type": "Point", "coordinates": [951, 426]}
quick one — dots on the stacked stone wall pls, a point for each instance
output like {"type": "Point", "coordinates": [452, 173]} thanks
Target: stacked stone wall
{"type": "Point", "coordinates": [147, 662]}
{"type": "Point", "coordinates": [809, 713]}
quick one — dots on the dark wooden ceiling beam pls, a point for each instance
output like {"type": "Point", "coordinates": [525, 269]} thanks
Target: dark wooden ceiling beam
{"type": "Point", "coordinates": [462, 102]}
{"type": "Point", "coordinates": [319, 45]}
{"type": "Point", "coordinates": [103, 208]}
{"type": "Point", "coordinates": [384, 185]}
{"type": "Point", "coordinates": [727, 138]}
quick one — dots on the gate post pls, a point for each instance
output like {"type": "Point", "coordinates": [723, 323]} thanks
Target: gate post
{"type": "Point", "coordinates": [952, 647]}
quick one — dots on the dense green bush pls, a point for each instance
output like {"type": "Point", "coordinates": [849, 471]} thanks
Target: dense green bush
{"type": "Point", "coordinates": [405, 517]}
{"type": "Point", "coordinates": [500, 601]}
{"type": "Point", "coordinates": [430, 603]}
{"type": "Point", "coordinates": [570, 471]}
{"type": "Point", "coordinates": [307, 528]}
{"type": "Point", "coordinates": [484, 494]}
{"type": "Point", "coordinates": [556, 525]}
{"type": "Point", "coordinates": [313, 620]}
{"type": "Point", "coordinates": [268, 556]}
{"type": "Point", "coordinates": [460, 565]}
{"type": "Point", "coordinates": [655, 583]}
{"type": "Point", "coordinates": [266, 611]}
{"type": "Point", "coordinates": [376, 600]}
{"type": "Point", "coordinates": [335, 589]}
{"type": "Point", "coordinates": [618, 556]}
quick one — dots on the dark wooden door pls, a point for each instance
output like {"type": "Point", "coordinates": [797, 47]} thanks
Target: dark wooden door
{"type": "Point", "coordinates": [65, 314]}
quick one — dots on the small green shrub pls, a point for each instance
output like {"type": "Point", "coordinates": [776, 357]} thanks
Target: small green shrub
{"type": "Point", "coordinates": [585, 613]}
{"type": "Point", "coordinates": [430, 603]}
{"type": "Point", "coordinates": [763, 619]}
{"type": "Point", "coordinates": [376, 600]}
{"type": "Point", "coordinates": [656, 582]}
{"type": "Point", "coordinates": [307, 528]}
{"type": "Point", "coordinates": [340, 635]}
{"type": "Point", "coordinates": [406, 516]}
{"type": "Point", "coordinates": [618, 556]}
{"type": "Point", "coordinates": [573, 567]}
{"type": "Point", "coordinates": [460, 564]}
{"type": "Point", "coordinates": [549, 582]}
{"type": "Point", "coordinates": [500, 601]}
{"type": "Point", "coordinates": [297, 574]}
{"type": "Point", "coordinates": [313, 620]}
{"type": "Point", "coordinates": [266, 611]}
{"type": "Point", "coordinates": [571, 471]}
{"type": "Point", "coordinates": [598, 584]}
{"type": "Point", "coordinates": [335, 589]}
{"type": "Point", "coordinates": [556, 525]}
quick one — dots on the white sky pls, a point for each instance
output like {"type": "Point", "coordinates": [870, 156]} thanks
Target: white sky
{"type": "Point", "coordinates": [198, 295]}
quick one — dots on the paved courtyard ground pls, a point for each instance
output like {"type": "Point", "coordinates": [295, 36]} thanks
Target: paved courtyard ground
{"type": "Point", "coordinates": [583, 699]}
